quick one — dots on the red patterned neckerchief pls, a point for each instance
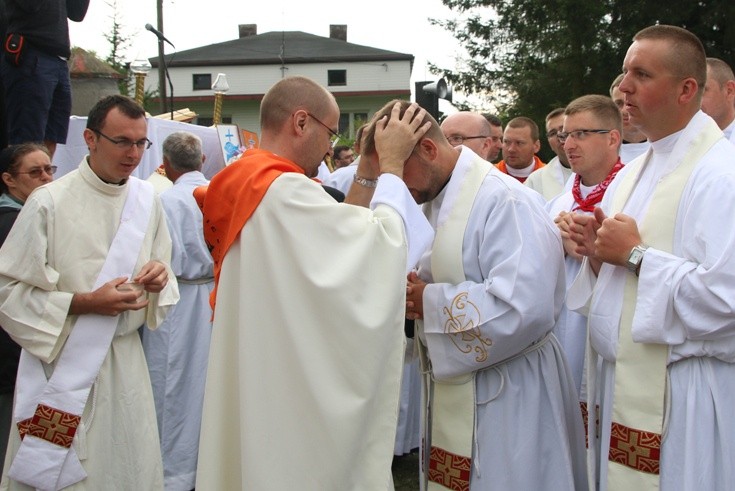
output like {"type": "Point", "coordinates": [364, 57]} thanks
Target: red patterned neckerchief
{"type": "Point", "coordinates": [595, 196]}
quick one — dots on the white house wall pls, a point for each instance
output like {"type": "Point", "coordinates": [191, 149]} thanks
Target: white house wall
{"type": "Point", "coordinates": [369, 86]}
{"type": "Point", "coordinates": [366, 77]}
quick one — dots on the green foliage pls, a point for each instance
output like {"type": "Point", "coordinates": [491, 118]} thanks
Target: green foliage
{"type": "Point", "coordinates": [527, 57]}
{"type": "Point", "coordinates": [119, 43]}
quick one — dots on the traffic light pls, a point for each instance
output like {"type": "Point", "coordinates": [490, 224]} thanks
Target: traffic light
{"type": "Point", "coordinates": [429, 93]}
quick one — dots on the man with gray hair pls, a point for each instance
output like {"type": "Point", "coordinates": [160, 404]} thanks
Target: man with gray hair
{"type": "Point", "coordinates": [177, 351]}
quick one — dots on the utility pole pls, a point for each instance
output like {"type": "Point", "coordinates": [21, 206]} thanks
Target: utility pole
{"type": "Point", "coordinates": [161, 63]}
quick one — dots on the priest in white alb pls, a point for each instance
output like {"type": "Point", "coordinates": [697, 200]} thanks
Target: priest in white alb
{"type": "Point", "coordinates": [590, 135]}
{"type": "Point", "coordinates": [498, 397]}
{"type": "Point", "coordinates": [178, 350]}
{"type": "Point", "coordinates": [83, 268]}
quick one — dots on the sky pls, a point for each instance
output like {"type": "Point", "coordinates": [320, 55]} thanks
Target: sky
{"type": "Point", "coordinates": [394, 25]}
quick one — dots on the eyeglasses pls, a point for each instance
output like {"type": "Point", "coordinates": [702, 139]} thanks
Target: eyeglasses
{"type": "Point", "coordinates": [125, 144]}
{"type": "Point", "coordinates": [335, 136]}
{"type": "Point", "coordinates": [578, 135]}
{"type": "Point", "coordinates": [38, 171]}
{"type": "Point", "coordinates": [459, 140]}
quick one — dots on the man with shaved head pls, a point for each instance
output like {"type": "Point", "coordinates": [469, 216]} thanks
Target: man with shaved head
{"type": "Point", "coordinates": [306, 355]}
{"type": "Point", "coordinates": [657, 283]}
{"type": "Point", "coordinates": [718, 99]}
{"type": "Point", "coordinates": [471, 130]}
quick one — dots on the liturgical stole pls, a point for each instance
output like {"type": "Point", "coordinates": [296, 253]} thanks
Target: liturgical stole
{"type": "Point", "coordinates": [48, 412]}
{"type": "Point", "coordinates": [640, 369]}
{"type": "Point", "coordinates": [450, 420]}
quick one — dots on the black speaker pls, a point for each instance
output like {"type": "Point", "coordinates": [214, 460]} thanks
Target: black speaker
{"type": "Point", "coordinates": [429, 93]}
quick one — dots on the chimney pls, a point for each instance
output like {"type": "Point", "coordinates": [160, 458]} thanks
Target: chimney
{"type": "Point", "coordinates": [246, 30]}
{"type": "Point", "coordinates": [338, 31]}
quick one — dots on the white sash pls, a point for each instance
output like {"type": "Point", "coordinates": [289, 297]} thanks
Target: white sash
{"type": "Point", "coordinates": [640, 369]}
{"type": "Point", "coordinates": [48, 412]}
{"type": "Point", "coordinates": [450, 404]}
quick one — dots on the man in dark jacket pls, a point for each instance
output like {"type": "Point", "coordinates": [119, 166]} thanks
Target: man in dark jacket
{"type": "Point", "coordinates": [34, 69]}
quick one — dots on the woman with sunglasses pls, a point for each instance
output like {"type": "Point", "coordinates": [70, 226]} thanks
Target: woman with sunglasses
{"type": "Point", "coordinates": [23, 168]}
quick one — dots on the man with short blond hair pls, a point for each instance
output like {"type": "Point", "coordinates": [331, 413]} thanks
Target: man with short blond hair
{"type": "Point", "coordinates": [718, 99]}
{"type": "Point", "coordinates": [549, 181]}
{"type": "Point", "coordinates": [591, 136]}
{"type": "Point", "coordinates": [520, 144]}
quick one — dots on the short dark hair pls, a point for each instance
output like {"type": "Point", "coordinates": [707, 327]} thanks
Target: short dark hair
{"type": "Point", "coordinates": [126, 105]}
{"type": "Point", "coordinates": [434, 132]}
{"type": "Point", "coordinates": [11, 156]}
{"type": "Point", "coordinates": [524, 122]}
{"type": "Point", "coordinates": [493, 119]}
{"type": "Point", "coordinates": [339, 149]}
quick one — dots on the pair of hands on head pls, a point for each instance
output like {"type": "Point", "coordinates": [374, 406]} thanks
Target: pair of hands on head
{"type": "Point", "coordinates": [601, 238]}
{"type": "Point", "coordinates": [395, 139]}
{"type": "Point", "coordinates": [114, 297]}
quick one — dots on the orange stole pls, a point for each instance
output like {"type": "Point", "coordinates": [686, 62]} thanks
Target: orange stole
{"type": "Point", "coordinates": [537, 164]}
{"type": "Point", "coordinates": [231, 198]}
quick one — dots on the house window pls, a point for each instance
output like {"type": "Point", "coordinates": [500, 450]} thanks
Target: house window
{"type": "Point", "coordinates": [344, 124]}
{"type": "Point", "coordinates": [202, 81]}
{"type": "Point", "coordinates": [204, 121]}
{"type": "Point", "coordinates": [349, 122]}
{"type": "Point", "coordinates": [337, 77]}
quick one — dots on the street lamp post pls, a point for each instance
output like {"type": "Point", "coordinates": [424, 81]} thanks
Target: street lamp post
{"type": "Point", "coordinates": [140, 68]}
{"type": "Point", "coordinates": [220, 86]}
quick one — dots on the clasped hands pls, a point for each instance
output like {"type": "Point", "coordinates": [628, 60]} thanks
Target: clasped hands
{"type": "Point", "coordinates": [114, 297]}
{"type": "Point", "coordinates": [414, 297]}
{"type": "Point", "coordinates": [601, 238]}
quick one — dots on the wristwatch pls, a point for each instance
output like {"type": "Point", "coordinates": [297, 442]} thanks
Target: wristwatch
{"type": "Point", "coordinates": [635, 258]}
{"type": "Point", "coordinates": [362, 181]}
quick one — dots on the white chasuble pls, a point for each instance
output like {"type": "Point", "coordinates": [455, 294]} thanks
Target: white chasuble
{"type": "Point", "coordinates": [307, 343]}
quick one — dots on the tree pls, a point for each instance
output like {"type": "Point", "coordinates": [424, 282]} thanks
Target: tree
{"type": "Point", "coordinates": [119, 43]}
{"type": "Point", "coordinates": [530, 56]}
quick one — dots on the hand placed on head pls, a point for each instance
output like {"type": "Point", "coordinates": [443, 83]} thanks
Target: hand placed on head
{"type": "Point", "coordinates": [397, 136]}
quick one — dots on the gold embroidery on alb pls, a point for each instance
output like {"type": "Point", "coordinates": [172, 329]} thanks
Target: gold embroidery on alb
{"type": "Point", "coordinates": [463, 321]}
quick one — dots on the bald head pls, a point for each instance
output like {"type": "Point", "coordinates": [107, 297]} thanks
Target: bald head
{"type": "Point", "coordinates": [289, 95]}
{"type": "Point", "coordinates": [299, 120]}
{"type": "Point", "coordinates": [470, 129]}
